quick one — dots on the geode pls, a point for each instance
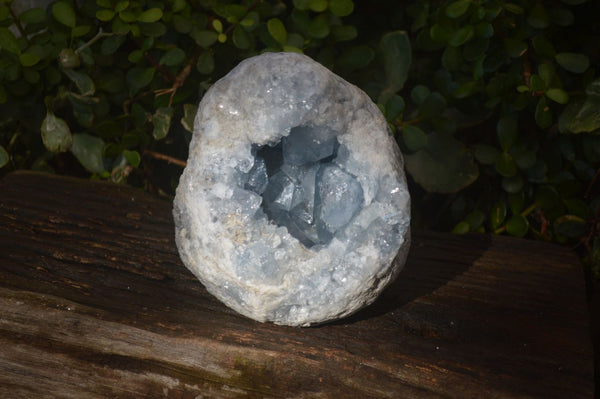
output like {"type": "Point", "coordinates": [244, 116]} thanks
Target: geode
{"type": "Point", "coordinates": [293, 207]}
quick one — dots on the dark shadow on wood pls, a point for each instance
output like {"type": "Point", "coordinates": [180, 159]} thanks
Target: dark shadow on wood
{"type": "Point", "coordinates": [422, 274]}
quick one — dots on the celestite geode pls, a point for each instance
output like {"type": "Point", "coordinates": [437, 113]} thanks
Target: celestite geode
{"type": "Point", "coordinates": [293, 207]}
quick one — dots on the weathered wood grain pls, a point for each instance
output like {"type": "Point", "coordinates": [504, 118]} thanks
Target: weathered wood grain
{"type": "Point", "coordinates": [94, 303]}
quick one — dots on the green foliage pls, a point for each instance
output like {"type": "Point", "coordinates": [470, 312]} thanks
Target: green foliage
{"type": "Point", "coordinates": [496, 104]}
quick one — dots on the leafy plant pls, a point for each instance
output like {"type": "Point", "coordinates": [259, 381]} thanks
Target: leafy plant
{"type": "Point", "coordinates": [495, 103]}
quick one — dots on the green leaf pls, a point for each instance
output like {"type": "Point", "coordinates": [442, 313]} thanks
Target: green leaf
{"type": "Point", "coordinates": [84, 83]}
{"type": "Point", "coordinates": [206, 63]}
{"type": "Point", "coordinates": [182, 24]}
{"type": "Point", "coordinates": [543, 114]}
{"type": "Point", "coordinates": [397, 57]}
{"type": "Point", "coordinates": [419, 94]}
{"type": "Point", "coordinates": [538, 17]}
{"type": "Point", "coordinates": [111, 44]}
{"type": "Point", "coordinates": [543, 46]}
{"type": "Point", "coordinates": [317, 5]}
{"type": "Point", "coordinates": [558, 95]}
{"type": "Point", "coordinates": [29, 59]}
{"type": "Point", "coordinates": [81, 30]}
{"type": "Point", "coordinates": [452, 58]}
{"type": "Point", "coordinates": [162, 122]}
{"type": "Point", "coordinates": [341, 8]}
{"type": "Point", "coordinates": [277, 30]}
{"type": "Point", "coordinates": [138, 78]}
{"type": "Point", "coordinates": [64, 13]}
{"type": "Point", "coordinates": [150, 15]}
{"type": "Point", "coordinates": [394, 108]}
{"type": "Point", "coordinates": [8, 41]}
{"type": "Point", "coordinates": [88, 151]}
{"type": "Point", "coordinates": [507, 130]}
{"type": "Point", "coordinates": [498, 214]}
{"type": "Point", "coordinates": [439, 33]}
{"type": "Point", "coordinates": [204, 38]}
{"type": "Point", "coordinates": [301, 5]}
{"type": "Point", "coordinates": [457, 8]}
{"type": "Point", "coordinates": [547, 73]}
{"type": "Point", "coordinates": [506, 165]}
{"type": "Point", "coordinates": [433, 106]}
{"type": "Point", "coordinates": [135, 56]}
{"type": "Point", "coordinates": [516, 202]}
{"type": "Point", "coordinates": [34, 15]}
{"type": "Point", "coordinates": [525, 158]}
{"type": "Point", "coordinates": [414, 138]}
{"type": "Point", "coordinates": [475, 219]}
{"type": "Point", "coordinates": [56, 134]}
{"type": "Point", "coordinates": [515, 47]}
{"type": "Point", "coordinates": [343, 32]}
{"type": "Point", "coordinates": [461, 36]}
{"type": "Point", "coordinates": [573, 62]}
{"type": "Point", "coordinates": [462, 227]}
{"type": "Point", "coordinates": [546, 197]}
{"type": "Point", "coordinates": [318, 28]}
{"type": "Point", "coordinates": [4, 157]}
{"type": "Point", "coordinates": [241, 38]}
{"type": "Point", "coordinates": [513, 184]}
{"type": "Point", "coordinates": [537, 83]}
{"type": "Point", "coordinates": [577, 207]}
{"type": "Point", "coordinates": [173, 57]}
{"type": "Point", "coordinates": [517, 225]}
{"type": "Point", "coordinates": [443, 166]}
{"type": "Point", "coordinates": [513, 8]}
{"type": "Point", "coordinates": [82, 109]}
{"type": "Point", "coordinates": [486, 154]}
{"type": "Point", "coordinates": [570, 226]}
{"type": "Point", "coordinates": [121, 5]}
{"type": "Point", "coordinates": [562, 16]}
{"type": "Point", "coordinates": [356, 57]}
{"type": "Point", "coordinates": [580, 116]}
{"type": "Point", "coordinates": [155, 29]}
{"type": "Point", "coordinates": [105, 15]}
{"type": "Point", "coordinates": [465, 90]}
{"type": "Point", "coordinates": [189, 115]}
{"type": "Point", "coordinates": [132, 157]}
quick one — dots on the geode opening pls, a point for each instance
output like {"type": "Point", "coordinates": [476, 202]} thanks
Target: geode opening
{"type": "Point", "coordinates": [302, 188]}
{"type": "Point", "coordinates": [293, 206]}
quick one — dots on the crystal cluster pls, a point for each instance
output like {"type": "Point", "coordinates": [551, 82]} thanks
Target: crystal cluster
{"type": "Point", "coordinates": [293, 207]}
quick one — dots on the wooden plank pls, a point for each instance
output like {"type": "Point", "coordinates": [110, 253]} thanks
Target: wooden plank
{"type": "Point", "coordinates": [95, 303]}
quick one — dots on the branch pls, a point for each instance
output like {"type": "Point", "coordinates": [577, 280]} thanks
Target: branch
{"type": "Point", "coordinates": [163, 157]}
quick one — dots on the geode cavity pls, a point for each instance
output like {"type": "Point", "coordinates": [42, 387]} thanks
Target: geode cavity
{"type": "Point", "coordinates": [293, 207]}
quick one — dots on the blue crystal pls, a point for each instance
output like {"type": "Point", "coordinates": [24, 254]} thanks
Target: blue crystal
{"type": "Point", "coordinates": [279, 192]}
{"type": "Point", "coordinates": [306, 144]}
{"type": "Point", "coordinates": [257, 177]}
{"type": "Point", "coordinates": [339, 196]}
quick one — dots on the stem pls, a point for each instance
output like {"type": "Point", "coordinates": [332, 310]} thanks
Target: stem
{"type": "Point", "coordinates": [588, 191]}
{"type": "Point", "coordinates": [526, 69]}
{"type": "Point", "coordinates": [135, 99]}
{"type": "Point", "coordinates": [163, 157]}
{"type": "Point", "coordinates": [18, 24]}
{"type": "Point", "coordinates": [94, 39]}
{"type": "Point", "coordinates": [407, 123]}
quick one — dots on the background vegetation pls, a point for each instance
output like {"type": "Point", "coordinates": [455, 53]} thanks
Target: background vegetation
{"type": "Point", "coordinates": [495, 103]}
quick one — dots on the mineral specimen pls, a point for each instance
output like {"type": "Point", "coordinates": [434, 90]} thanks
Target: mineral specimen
{"type": "Point", "coordinates": [293, 207]}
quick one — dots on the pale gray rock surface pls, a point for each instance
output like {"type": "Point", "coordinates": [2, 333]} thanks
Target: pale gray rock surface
{"type": "Point", "coordinates": [293, 207]}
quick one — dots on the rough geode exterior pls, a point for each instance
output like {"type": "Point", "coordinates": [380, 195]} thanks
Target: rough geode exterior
{"type": "Point", "coordinates": [224, 237]}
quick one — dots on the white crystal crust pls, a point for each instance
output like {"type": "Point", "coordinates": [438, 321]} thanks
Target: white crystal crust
{"type": "Point", "coordinates": [227, 240]}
